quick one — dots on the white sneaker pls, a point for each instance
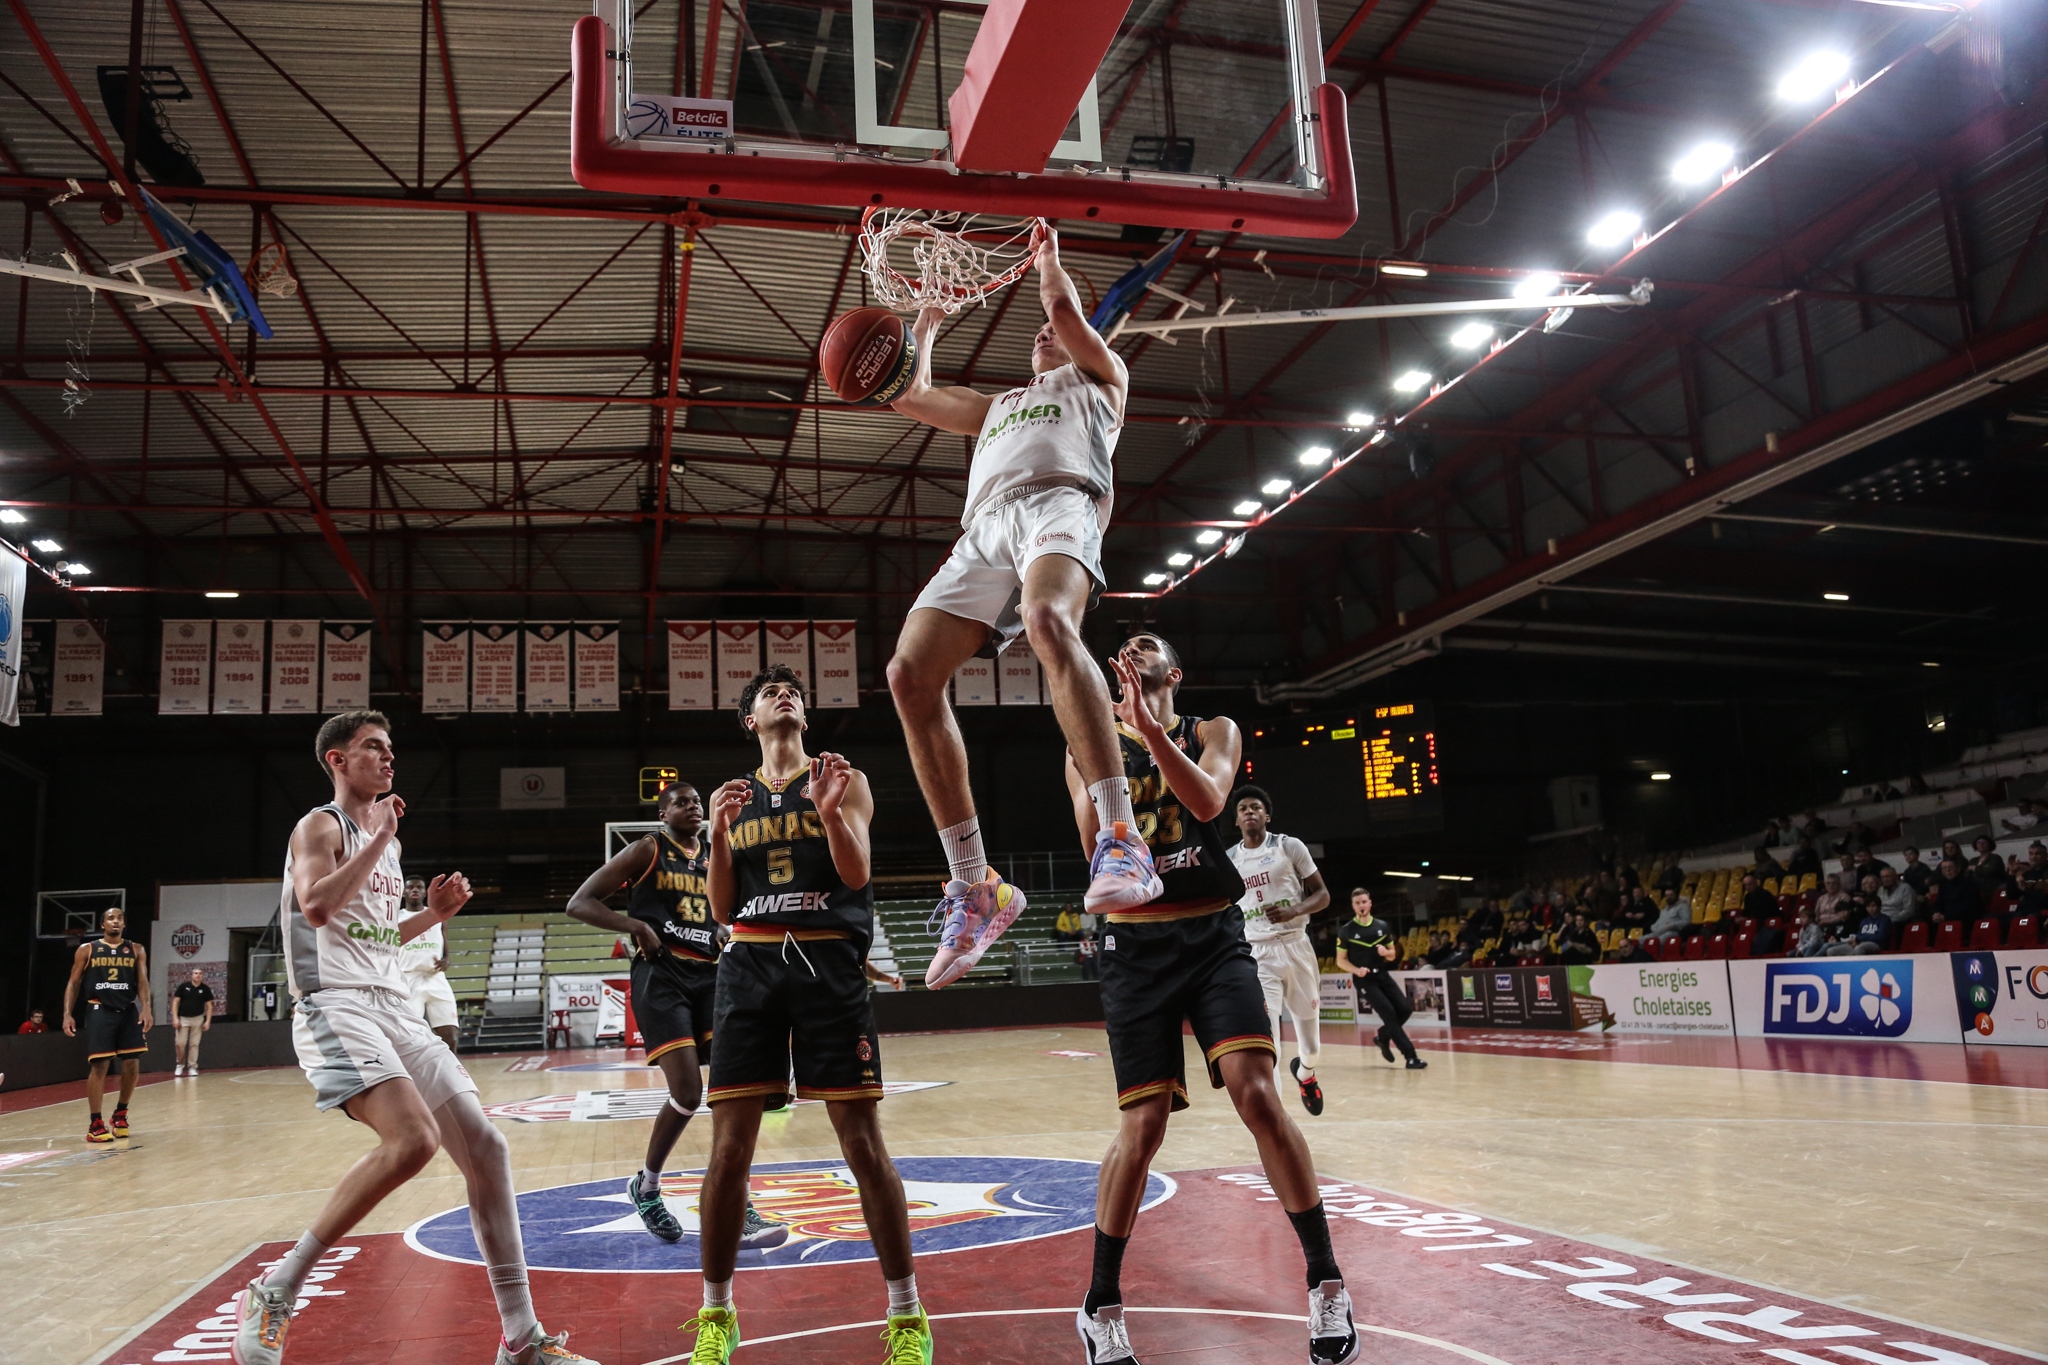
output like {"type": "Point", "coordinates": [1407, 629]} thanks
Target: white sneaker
{"type": "Point", "coordinates": [1103, 1336]}
{"type": "Point", "coordinates": [1120, 874]}
{"type": "Point", "coordinates": [1332, 1336]}
{"type": "Point", "coordinates": [263, 1314]}
{"type": "Point", "coordinates": [191, 1071]}
{"type": "Point", "coordinates": [546, 1350]}
{"type": "Point", "coordinates": [178, 1070]}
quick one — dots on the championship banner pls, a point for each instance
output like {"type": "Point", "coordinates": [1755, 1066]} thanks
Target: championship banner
{"type": "Point", "coordinates": [238, 668]}
{"type": "Point", "coordinates": [1017, 675]}
{"type": "Point", "coordinates": [689, 666]}
{"type": "Point", "coordinates": [294, 667]}
{"type": "Point", "coordinates": [597, 665]}
{"type": "Point", "coordinates": [838, 667]}
{"type": "Point", "coordinates": [547, 666]}
{"type": "Point", "coordinates": [974, 683]}
{"type": "Point", "coordinates": [494, 666]}
{"type": "Point", "coordinates": [739, 658]}
{"type": "Point", "coordinates": [81, 667]}
{"type": "Point", "coordinates": [185, 674]}
{"type": "Point", "coordinates": [2002, 998]}
{"type": "Point", "coordinates": [38, 651]}
{"type": "Point", "coordinates": [13, 632]}
{"type": "Point", "coordinates": [444, 666]}
{"type": "Point", "coordinates": [344, 666]}
{"type": "Point", "coordinates": [789, 643]}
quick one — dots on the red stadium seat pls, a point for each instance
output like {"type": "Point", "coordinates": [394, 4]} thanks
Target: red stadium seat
{"type": "Point", "coordinates": [1774, 923]}
{"type": "Point", "coordinates": [1948, 937]}
{"type": "Point", "coordinates": [1789, 902]}
{"type": "Point", "coordinates": [2004, 903]}
{"type": "Point", "coordinates": [1717, 947]}
{"type": "Point", "coordinates": [1984, 935]}
{"type": "Point", "coordinates": [2025, 934]}
{"type": "Point", "coordinates": [1740, 949]}
{"type": "Point", "coordinates": [1914, 940]}
{"type": "Point", "coordinates": [1695, 947]}
{"type": "Point", "coordinates": [1807, 899]}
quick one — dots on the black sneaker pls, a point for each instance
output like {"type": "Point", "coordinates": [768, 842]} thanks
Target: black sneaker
{"type": "Point", "coordinates": [1417, 1064]}
{"type": "Point", "coordinates": [1386, 1048]}
{"type": "Point", "coordinates": [758, 1234]}
{"type": "Point", "coordinates": [1103, 1336]}
{"type": "Point", "coordinates": [1332, 1337]}
{"type": "Point", "coordinates": [1311, 1093]}
{"type": "Point", "coordinates": [653, 1213]}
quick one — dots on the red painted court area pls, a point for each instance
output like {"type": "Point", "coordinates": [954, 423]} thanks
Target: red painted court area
{"type": "Point", "coordinates": [1212, 1278]}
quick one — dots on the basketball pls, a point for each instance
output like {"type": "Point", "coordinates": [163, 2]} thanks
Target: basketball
{"type": "Point", "coordinates": [868, 356]}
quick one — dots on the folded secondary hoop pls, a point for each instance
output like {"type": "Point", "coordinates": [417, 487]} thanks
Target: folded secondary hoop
{"type": "Point", "coordinates": [951, 270]}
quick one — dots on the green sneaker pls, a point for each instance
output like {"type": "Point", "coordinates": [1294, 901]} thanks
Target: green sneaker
{"type": "Point", "coordinates": [718, 1333]}
{"type": "Point", "coordinates": [654, 1214]}
{"type": "Point", "coordinates": [909, 1340]}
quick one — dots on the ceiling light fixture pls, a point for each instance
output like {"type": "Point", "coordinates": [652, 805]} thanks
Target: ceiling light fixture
{"type": "Point", "coordinates": [1660, 777]}
{"type": "Point", "coordinates": [1274, 487]}
{"type": "Point", "coordinates": [1410, 381]}
{"type": "Point", "coordinates": [1540, 285]}
{"type": "Point", "coordinates": [1358, 418]}
{"type": "Point", "coordinates": [11, 517]}
{"type": "Point", "coordinates": [1179, 558]}
{"type": "Point", "coordinates": [1391, 873]}
{"type": "Point", "coordinates": [1470, 335]}
{"type": "Point", "coordinates": [1209, 537]}
{"type": "Point", "coordinates": [1614, 228]}
{"type": "Point", "coordinates": [1247, 508]}
{"type": "Point", "coordinates": [1835, 596]}
{"type": "Point", "coordinates": [1315, 455]}
{"type": "Point", "coordinates": [70, 570]}
{"type": "Point", "coordinates": [1817, 74]}
{"type": "Point", "coordinates": [1702, 162]}
{"type": "Point", "coordinates": [224, 594]}
{"type": "Point", "coordinates": [1153, 580]}
{"type": "Point", "coordinates": [46, 545]}
{"type": "Point", "coordinates": [1405, 271]}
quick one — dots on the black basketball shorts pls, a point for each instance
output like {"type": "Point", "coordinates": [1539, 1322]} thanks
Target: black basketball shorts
{"type": "Point", "coordinates": [113, 1031]}
{"type": "Point", "coordinates": [794, 1005]}
{"type": "Point", "coordinates": [673, 1000]}
{"type": "Point", "coordinates": [1154, 975]}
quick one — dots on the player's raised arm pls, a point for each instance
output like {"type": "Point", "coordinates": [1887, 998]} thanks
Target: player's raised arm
{"type": "Point", "coordinates": [951, 407]}
{"type": "Point", "coordinates": [845, 806]}
{"type": "Point", "coordinates": [1203, 787]}
{"type": "Point", "coordinates": [721, 887]}
{"type": "Point", "coordinates": [1062, 302]}
{"type": "Point", "coordinates": [322, 879]}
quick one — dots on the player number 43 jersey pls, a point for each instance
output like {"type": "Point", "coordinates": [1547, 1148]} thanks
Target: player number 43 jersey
{"type": "Point", "coordinates": [1274, 874]}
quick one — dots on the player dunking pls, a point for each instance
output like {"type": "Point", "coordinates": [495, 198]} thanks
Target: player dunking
{"type": "Point", "coordinates": [1039, 490]}
{"type": "Point", "coordinates": [789, 872]}
{"type": "Point", "coordinates": [368, 1054]}
{"type": "Point", "coordinates": [1282, 889]}
{"type": "Point", "coordinates": [675, 978]}
{"type": "Point", "coordinates": [115, 973]}
{"type": "Point", "coordinates": [1184, 957]}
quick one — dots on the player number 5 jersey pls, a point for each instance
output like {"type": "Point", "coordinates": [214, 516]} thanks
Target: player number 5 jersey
{"type": "Point", "coordinates": [1274, 874]}
{"type": "Point", "coordinates": [782, 863]}
{"type": "Point", "coordinates": [358, 946]}
{"type": "Point", "coordinates": [1060, 428]}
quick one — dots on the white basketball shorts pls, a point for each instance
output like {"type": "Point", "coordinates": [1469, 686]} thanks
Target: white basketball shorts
{"type": "Point", "coordinates": [983, 579]}
{"type": "Point", "coordinates": [351, 1038]}
{"type": "Point", "coordinates": [432, 998]}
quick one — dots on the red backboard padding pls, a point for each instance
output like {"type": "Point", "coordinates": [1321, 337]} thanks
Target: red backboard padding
{"type": "Point", "coordinates": [1028, 68]}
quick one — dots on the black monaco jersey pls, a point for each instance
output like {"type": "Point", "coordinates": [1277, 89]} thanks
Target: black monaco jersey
{"type": "Point", "coordinates": [1189, 855]}
{"type": "Point", "coordinates": [112, 972]}
{"type": "Point", "coordinates": [783, 865]}
{"type": "Point", "coordinates": [672, 897]}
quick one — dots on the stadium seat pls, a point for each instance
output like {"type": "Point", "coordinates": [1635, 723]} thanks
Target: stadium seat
{"type": "Point", "coordinates": [1654, 946]}
{"type": "Point", "coordinates": [1695, 947]}
{"type": "Point", "coordinates": [1788, 903]}
{"type": "Point", "coordinates": [1774, 923]}
{"type": "Point", "coordinates": [1771, 885]}
{"type": "Point", "coordinates": [1914, 940]}
{"type": "Point", "coordinates": [1717, 947]}
{"type": "Point", "coordinates": [1739, 950]}
{"type": "Point", "coordinates": [2004, 903]}
{"type": "Point", "coordinates": [1984, 935]}
{"type": "Point", "coordinates": [1949, 937]}
{"type": "Point", "coordinates": [1809, 882]}
{"type": "Point", "coordinates": [2025, 934]}
{"type": "Point", "coordinates": [1808, 898]}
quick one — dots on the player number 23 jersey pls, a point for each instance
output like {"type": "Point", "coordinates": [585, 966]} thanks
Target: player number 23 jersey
{"type": "Point", "coordinates": [358, 945]}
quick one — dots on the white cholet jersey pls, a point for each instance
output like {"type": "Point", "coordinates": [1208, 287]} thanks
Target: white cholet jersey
{"type": "Point", "coordinates": [358, 946]}
{"type": "Point", "coordinates": [417, 955]}
{"type": "Point", "coordinates": [1273, 873]}
{"type": "Point", "coordinates": [1058, 430]}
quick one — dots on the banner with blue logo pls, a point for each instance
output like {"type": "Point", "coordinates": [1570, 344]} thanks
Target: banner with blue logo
{"type": "Point", "coordinates": [2002, 998]}
{"type": "Point", "coordinates": [13, 607]}
{"type": "Point", "coordinates": [1878, 998]}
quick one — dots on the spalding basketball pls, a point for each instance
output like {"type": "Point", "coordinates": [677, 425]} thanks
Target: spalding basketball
{"type": "Point", "coordinates": [868, 356]}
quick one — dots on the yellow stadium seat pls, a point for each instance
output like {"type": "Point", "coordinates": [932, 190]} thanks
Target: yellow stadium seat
{"type": "Point", "coordinates": [1809, 882]}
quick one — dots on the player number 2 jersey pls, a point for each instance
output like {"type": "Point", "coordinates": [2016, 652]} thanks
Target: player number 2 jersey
{"type": "Point", "coordinates": [358, 946]}
{"type": "Point", "coordinates": [1273, 876]}
{"type": "Point", "coordinates": [783, 865]}
{"type": "Point", "coordinates": [113, 972]}
{"type": "Point", "coordinates": [1060, 428]}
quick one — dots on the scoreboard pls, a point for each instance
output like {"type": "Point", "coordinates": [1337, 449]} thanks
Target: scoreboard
{"type": "Point", "coordinates": [1362, 773]}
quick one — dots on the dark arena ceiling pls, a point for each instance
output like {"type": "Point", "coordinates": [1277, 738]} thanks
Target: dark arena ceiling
{"type": "Point", "coordinates": [498, 395]}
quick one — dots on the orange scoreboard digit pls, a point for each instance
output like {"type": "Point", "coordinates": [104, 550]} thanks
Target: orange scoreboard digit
{"type": "Point", "coordinates": [1400, 754]}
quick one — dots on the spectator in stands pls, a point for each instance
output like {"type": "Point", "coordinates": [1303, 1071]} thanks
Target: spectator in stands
{"type": "Point", "coordinates": [1441, 948]}
{"type": "Point", "coordinates": [1672, 878]}
{"type": "Point", "coordinates": [1067, 928]}
{"type": "Point", "coordinates": [1629, 950]}
{"type": "Point", "coordinates": [1803, 860]}
{"type": "Point", "coordinates": [1858, 839]}
{"type": "Point", "coordinates": [1606, 898]}
{"type": "Point", "coordinates": [1951, 849]}
{"type": "Point", "coordinates": [1578, 945]}
{"type": "Point", "coordinates": [1831, 910]}
{"type": "Point", "coordinates": [34, 1024]}
{"type": "Point", "coordinates": [1674, 918]}
{"type": "Point", "coordinates": [1814, 826]}
{"type": "Point", "coordinates": [1955, 896]}
{"type": "Point", "coordinates": [1523, 939]}
{"type": "Point", "coordinates": [1769, 941]}
{"type": "Point", "coordinates": [1810, 940]}
{"type": "Point", "coordinates": [1916, 874]}
{"type": "Point", "coordinates": [2027, 817]}
{"type": "Point", "coordinates": [1766, 865]}
{"type": "Point", "coordinates": [1481, 925]}
{"type": "Point", "coordinates": [1774, 834]}
{"type": "Point", "coordinates": [1640, 913]}
{"type": "Point", "coordinates": [2031, 878]}
{"type": "Point", "coordinates": [1630, 879]}
{"type": "Point", "coordinates": [1873, 933]}
{"type": "Point", "coordinates": [1866, 864]}
{"type": "Point", "coordinates": [1524, 900]}
{"type": "Point", "coordinates": [1988, 868]}
{"type": "Point", "coordinates": [1091, 965]}
{"type": "Point", "coordinates": [1757, 903]}
{"type": "Point", "coordinates": [1896, 896]}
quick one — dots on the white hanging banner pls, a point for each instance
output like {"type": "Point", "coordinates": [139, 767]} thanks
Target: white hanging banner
{"type": "Point", "coordinates": [1017, 681]}
{"type": "Point", "coordinates": [547, 666]}
{"type": "Point", "coordinates": [238, 668]}
{"type": "Point", "coordinates": [789, 643]}
{"type": "Point", "coordinates": [80, 673]}
{"type": "Point", "coordinates": [13, 633]}
{"type": "Point", "coordinates": [185, 670]}
{"type": "Point", "coordinates": [838, 667]}
{"type": "Point", "coordinates": [739, 658]}
{"type": "Point", "coordinates": [974, 683]}
{"type": "Point", "coordinates": [444, 666]}
{"type": "Point", "coordinates": [344, 666]}
{"type": "Point", "coordinates": [597, 665]}
{"type": "Point", "coordinates": [494, 666]}
{"type": "Point", "coordinates": [294, 667]}
{"type": "Point", "coordinates": [689, 666]}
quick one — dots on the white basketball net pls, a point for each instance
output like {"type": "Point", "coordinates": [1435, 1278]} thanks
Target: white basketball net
{"type": "Point", "coordinates": [271, 273]}
{"type": "Point", "coordinates": [950, 271]}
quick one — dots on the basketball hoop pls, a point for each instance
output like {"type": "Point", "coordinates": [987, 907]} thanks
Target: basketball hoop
{"type": "Point", "coordinates": [270, 273]}
{"type": "Point", "coordinates": [951, 271]}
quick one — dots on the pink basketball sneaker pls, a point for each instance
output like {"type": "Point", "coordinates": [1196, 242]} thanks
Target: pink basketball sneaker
{"type": "Point", "coordinates": [1120, 876]}
{"type": "Point", "coordinates": [975, 917]}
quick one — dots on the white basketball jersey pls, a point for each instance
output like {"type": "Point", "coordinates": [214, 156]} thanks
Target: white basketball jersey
{"type": "Point", "coordinates": [1273, 875]}
{"type": "Point", "coordinates": [417, 956]}
{"type": "Point", "coordinates": [358, 946]}
{"type": "Point", "coordinates": [1060, 428]}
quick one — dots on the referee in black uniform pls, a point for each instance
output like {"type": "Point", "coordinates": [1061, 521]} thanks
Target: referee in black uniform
{"type": "Point", "coordinates": [1366, 948]}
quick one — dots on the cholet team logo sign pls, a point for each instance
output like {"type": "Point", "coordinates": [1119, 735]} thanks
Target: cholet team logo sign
{"type": "Point", "coordinates": [956, 1203]}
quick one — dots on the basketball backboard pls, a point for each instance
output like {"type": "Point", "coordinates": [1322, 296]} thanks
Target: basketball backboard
{"type": "Point", "coordinates": [1160, 113]}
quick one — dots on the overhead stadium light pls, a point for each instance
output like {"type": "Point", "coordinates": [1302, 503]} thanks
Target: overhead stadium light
{"type": "Point", "coordinates": [1209, 537]}
{"type": "Point", "coordinates": [1358, 417]}
{"type": "Point", "coordinates": [1660, 777]}
{"type": "Point", "coordinates": [1703, 162]}
{"type": "Point", "coordinates": [1471, 335]}
{"type": "Point", "coordinates": [1614, 228]}
{"type": "Point", "coordinates": [1315, 455]}
{"type": "Point", "coordinates": [225, 594]}
{"type": "Point", "coordinates": [1179, 558]}
{"type": "Point", "coordinates": [11, 517]}
{"type": "Point", "coordinates": [1540, 285]}
{"type": "Point", "coordinates": [1816, 74]}
{"type": "Point", "coordinates": [1405, 271]}
{"type": "Point", "coordinates": [1410, 381]}
{"type": "Point", "coordinates": [1273, 488]}
{"type": "Point", "coordinates": [1153, 580]}
{"type": "Point", "coordinates": [1247, 508]}
{"type": "Point", "coordinates": [46, 545]}
{"type": "Point", "coordinates": [1835, 596]}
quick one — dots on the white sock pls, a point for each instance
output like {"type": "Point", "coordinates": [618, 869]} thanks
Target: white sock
{"type": "Point", "coordinates": [718, 1294]}
{"type": "Point", "coordinates": [1112, 798]}
{"type": "Point", "coordinates": [515, 1305]}
{"type": "Point", "coordinates": [963, 850]}
{"type": "Point", "coordinates": [902, 1297]}
{"type": "Point", "coordinates": [290, 1273]}
{"type": "Point", "coordinates": [650, 1179]}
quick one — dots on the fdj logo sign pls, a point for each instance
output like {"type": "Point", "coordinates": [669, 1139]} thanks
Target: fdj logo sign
{"type": "Point", "coordinates": [1839, 999]}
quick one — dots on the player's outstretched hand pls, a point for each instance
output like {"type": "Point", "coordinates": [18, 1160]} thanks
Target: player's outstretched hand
{"type": "Point", "coordinates": [384, 816]}
{"type": "Point", "coordinates": [446, 894]}
{"type": "Point", "coordinates": [831, 775]}
{"type": "Point", "coordinates": [1130, 701]}
{"type": "Point", "coordinates": [726, 804]}
{"type": "Point", "coordinates": [1045, 245]}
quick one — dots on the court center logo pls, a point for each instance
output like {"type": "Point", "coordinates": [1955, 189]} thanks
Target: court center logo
{"type": "Point", "coordinates": [956, 1203]}
{"type": "Point", "coordinates": [1839, 999]}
